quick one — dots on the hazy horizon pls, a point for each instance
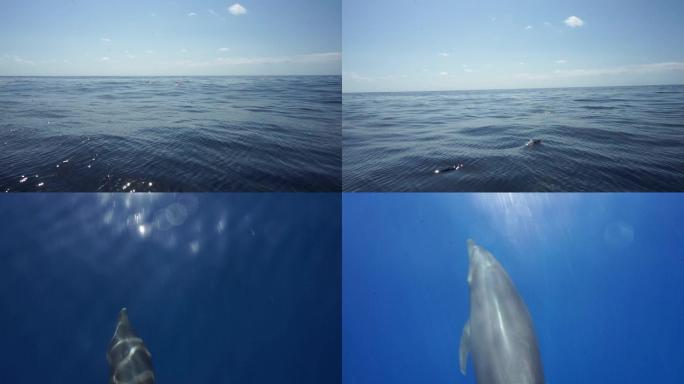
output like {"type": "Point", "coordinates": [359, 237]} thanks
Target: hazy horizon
{"type": "Point", "coordinates": [161, 38]}
{"type": "Point", "coordinates": [128, 76]}
{"type": "Point", "coordinates": [519, 88]}
{"type": "Point", "coordinates": [401, 46]}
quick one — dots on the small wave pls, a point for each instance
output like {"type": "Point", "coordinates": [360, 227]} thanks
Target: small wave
{"type": "Point", "coordinates": [583, 150]}
{"type": "Point", "coordinates": [598, 107]}
{"type": "Point", "coordinates": [194, 137]}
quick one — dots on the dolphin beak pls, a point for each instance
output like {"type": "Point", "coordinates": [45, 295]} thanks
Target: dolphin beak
{"type": "Point", "coordinates": [123, 315]}
{"type": "Point", "coordinates": [471, 249]}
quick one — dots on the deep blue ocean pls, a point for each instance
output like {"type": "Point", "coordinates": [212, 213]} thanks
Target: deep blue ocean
{"type": "Point", "coordinates": [592, 139]}
{"type": "Point", "coordinates": [602, 276]}
{"type": "Point", "coordinates": [170, 133]}
{"type": "Point", "coordinates": [222, 288]}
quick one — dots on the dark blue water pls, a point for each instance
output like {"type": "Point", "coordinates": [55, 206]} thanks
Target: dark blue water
{"type": "Point", "coordinates": [592, 139]}
{"type": "Point", "coordinates": [223, 288]}
{"type": "Point", "coordinates": [170, 133]}
{"type": "Point", "coordinates": [601, 274]}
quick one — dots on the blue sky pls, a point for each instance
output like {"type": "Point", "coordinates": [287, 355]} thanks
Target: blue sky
{"type": "Point", "coordinates": [403, 45]}
{"type": "Point", "coordinates": [600, 273]}
{"type": "Point", "coordinates": [155, 37]}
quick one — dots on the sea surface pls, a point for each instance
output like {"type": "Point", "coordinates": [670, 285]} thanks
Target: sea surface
{"type": "Point", "coordinates": [592, 139]}
{"type": "Point", "coordinates": [170, 133]}
{"type": "Point", "coordinates": [602, 276]}
{"type": "Point", "coordinates": [222, 288]}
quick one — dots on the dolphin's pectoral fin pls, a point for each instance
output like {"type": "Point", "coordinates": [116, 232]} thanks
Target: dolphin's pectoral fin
{"type": "Point", "coordinates": [465, 346]}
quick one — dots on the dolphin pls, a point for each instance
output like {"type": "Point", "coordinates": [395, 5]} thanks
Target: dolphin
{"type": "Point", "coordinates": [450, 168]}
{"type": "Point", "coordinates": [533, 142]}
{"type": "Point", "coordinates": [499, 335]}
{"type": "Point", "coordinates": [129, 360]}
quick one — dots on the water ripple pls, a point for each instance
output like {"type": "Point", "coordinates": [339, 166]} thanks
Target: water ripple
{"type": "Point", "coordinates": [171, 133]}
{"type": "Point", "coordinates": [593, 139]}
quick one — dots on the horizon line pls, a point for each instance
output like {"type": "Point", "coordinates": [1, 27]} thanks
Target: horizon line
{"type": "Point", "coordinates": [283, 75]}
{"type": "Point", "coordinates": [517, 88]}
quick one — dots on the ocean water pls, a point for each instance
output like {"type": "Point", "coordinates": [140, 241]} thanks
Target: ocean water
{"type": "Point", "coordinates": [592, 139]}
{"type": "Point", "coordinates": [222, 288]}
{"type": "Point", "coordinates": [601, 274]}
{"type": "Point", "coordinates": [170, 133]}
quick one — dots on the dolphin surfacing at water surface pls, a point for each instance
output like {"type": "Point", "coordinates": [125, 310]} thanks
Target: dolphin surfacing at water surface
{"type": "Point", "coordinates": [499, 335]}
{"type": "Point", "coordinates": [129, 360]}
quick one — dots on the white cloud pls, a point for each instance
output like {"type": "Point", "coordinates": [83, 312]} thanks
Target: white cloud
{"type": "Point", "coordinates": [624, 70]}
{"type": "Point", "coordinates": [183, 50]}
{"type": "Point", "coordinates": [192, 14]}
{"type": "Point", "coordinates": [223, 49]}
{"type": "Point", "coordinates": [150, 52]}
{"type": "Point", "coordinates": [444, 73]}
{"type": "Point", "coordinates": [237, 9]}
{"type": "Point", "coordinates": [561, 61]}
{"type": "Point", "coordinates": [466, 68]}
{"type": "Point", "coordinates": [639, 69]}
{"type": "Point", "coordinates": [129, 55]}
{"type": "Point", "coordinates": [529, 27]}
{"type": "Point", "coordinates": [19, 60]}
{"type": "Point", "coordinates": [304, 59]}
{"type": "Point", "coordinates": [574, 22]}
{"type": "Point", "coordinates": [105, 58]}
{"type": "Point", "coordinates": [216, 14]}
{"type": "Point", "coordinates": [312, 58]}
{"type": "Point", "coordinates": [442, 54]}
{"type": "Point", "coordinates": [105, 40]}
{"type": "Point", "coordinates": [493, 19]}
{"type": "Point", "coordinates": [356, 77]}
{"type": "Point", "coordinates": [522, 63]}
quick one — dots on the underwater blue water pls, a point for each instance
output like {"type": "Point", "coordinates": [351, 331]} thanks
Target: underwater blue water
{"type": "Point", "coordinates": [201, 134]}
{"type": "Point", "coordinates": [592, 139]}
{"type": "Point", "coordinates": [222, 288]}
{"type": "Point", "coordinates": [602, 276]}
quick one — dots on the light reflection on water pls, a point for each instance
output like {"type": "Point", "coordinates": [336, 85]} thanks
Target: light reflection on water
{"type": "Point", "coordinates": [243, 278]}
{"type": "Point", "coordinates": [94, 134]}
{"type": "Point", "coordinates": [141, 214]}
{"type": "Point", "coordinates": [158, 234]}
{"type": "Point", "coordinates": [155, 218]}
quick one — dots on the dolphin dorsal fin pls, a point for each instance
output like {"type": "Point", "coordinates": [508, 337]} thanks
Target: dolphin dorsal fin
{"type": "Point", "coordinates": [464, 347]}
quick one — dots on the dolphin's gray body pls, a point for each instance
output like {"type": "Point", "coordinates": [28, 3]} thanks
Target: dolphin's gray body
{"type": "Point", "coordinates": [499, 335]}
{"type": "Point", "coordinates": [129, 360]}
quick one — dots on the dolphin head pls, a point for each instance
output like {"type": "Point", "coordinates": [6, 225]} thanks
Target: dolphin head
{"type": "Point", "coordinates": [123, 326]}
{"type": "Point", "coordinates": [123, 315]}
{"type": "Point", "coordinates": [480, 261]}
{"type": "Point", "coordinates": [128, 357]}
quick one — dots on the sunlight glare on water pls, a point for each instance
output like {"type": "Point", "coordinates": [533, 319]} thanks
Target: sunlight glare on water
{"type": "Point", "coordinates": [141, 215]}
{"type": "Point", "coordinates": [524, 217]}
{"type": "Point", "coordinates": [196, 272]}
